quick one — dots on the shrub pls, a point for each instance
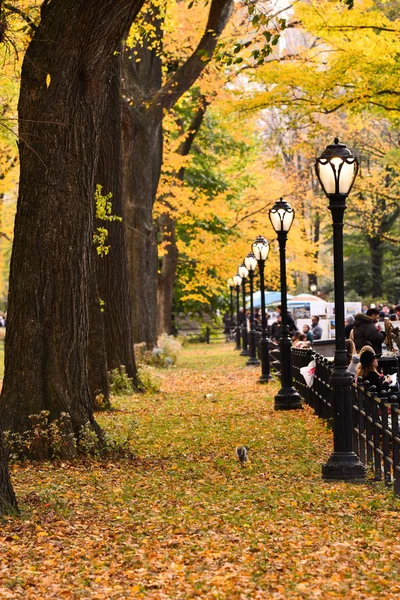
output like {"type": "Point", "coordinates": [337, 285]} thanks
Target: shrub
{"type": "Point", "coordinates": [142, 353]}
{"type": "Point", "coordinates": [101, 403]}
{"type": "Point", "coordinates": [120, 383]}
{"type": "Point", "coordinates": [44, 440]}
{"type": "Point", "coordinates": [88, 442]}
{"type": "Point", "coordinates": [167, 351]}
{"type": "Point", "coordinates": [183, 339]}
{"type": "Point", "coordinates": [165, 354]}
{"type": "Point", "coordinates": [149, 379]}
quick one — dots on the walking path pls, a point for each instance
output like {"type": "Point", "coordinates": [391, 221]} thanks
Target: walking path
{"type": "Point", "coordinates": [184, 520]}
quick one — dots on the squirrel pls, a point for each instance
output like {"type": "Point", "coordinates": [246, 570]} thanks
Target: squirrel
{"type": "Point", "coordinates": [241, 453]}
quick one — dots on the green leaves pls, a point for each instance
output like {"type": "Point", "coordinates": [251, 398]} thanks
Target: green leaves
{"type": "Point", "coordinates": [103, 213]}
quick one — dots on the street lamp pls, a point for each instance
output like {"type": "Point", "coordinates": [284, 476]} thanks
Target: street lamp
{"type": "Point", "coordinates": [243, 272]}
{"type": "Point", "coordinates": [313, 288]}
{"type": "Point", "coordinates": [251, 264]}
{"type": "Point", "coordinates": [281, 216]}
{"type": "Point", "coordinates": [261, 251]}
{"type": "Point", "coordinates": [336, 170]}
{"type": "Point", "coordinates": [237, 280]}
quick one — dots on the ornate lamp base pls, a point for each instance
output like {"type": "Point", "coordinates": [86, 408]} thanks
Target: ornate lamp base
{"type": "Point", "coordinates": [288, 399]}
{"type": "Point", "coordinates": [253, 362]}
{"type": "Point", "coordinates": [344, 466]}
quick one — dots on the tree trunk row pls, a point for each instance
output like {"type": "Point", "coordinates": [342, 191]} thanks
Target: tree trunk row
{"type": "Point", "coordinates": [64, 89]}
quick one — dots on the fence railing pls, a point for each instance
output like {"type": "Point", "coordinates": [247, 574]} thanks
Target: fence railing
{"type": "Point", "coordinates": [275, 358]}
{"type": "Point", "coordinates": [375, 418]}
{"type": "Point", "coordinates": [206, 334]}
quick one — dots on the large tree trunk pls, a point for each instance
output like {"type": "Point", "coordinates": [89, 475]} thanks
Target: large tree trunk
{"type": "Point", "coordinates": [376, 250]}
{"type": "Point", "coordinates": [142, 159]}
{"type": "Point", "coordinates": [167, 228]}
{"type": "Point", "coordinates": [62, 102]}
{"type": "Point", "coordinates": [312, 277]}
{"type": "Point", "coordinates": [146, 100]}
{"type": "Point", "coordinates": [7, 497]}
{"type": "Point", "coordinates": [142, 133]}
{"type": "Point", "coordinates": [167, 274]}
{"type": "Point", "coordinates": [112, 269]}
{"type": "Point", "coordinates": [98, 380]}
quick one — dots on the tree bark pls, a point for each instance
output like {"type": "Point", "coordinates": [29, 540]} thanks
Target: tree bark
{"type": "Point", "coordinates": [312, 277]}
{"type": "Point", "coordinates": [142, 157]}
{"type": "Point", "coordinates": [376, 250]}
{"type": "Point", "coordinates": [97, 352]}
{"type": "Point", "coordinates": [167, 229]}
{"type": "Point", "coordinates": [146, 101]}
{"type": "Point", "coordinates": [62, 102]}
{"type": "Point", "coordinates": [8, 501]}
{"type": "Point", "coordinates": [167, 274]}
{"type": "Point", "coordinates": [112, 269]}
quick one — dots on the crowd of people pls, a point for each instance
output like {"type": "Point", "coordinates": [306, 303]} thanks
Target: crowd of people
{"type": "Point", "coordinates": [304, 338]}
{"type": "Point", "coordinates": [365, 336]}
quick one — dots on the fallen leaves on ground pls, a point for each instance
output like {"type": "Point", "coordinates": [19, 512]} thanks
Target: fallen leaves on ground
{"type": "Point", "coordinates": [185, 520]}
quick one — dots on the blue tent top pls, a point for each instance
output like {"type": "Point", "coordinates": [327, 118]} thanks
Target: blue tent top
{"type": "Point", "coordinates": [270, 298]}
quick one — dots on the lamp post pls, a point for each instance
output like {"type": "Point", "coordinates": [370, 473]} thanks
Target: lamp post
{"type": "Point", "coordinates": [243, 272]}
{"type": "Point", "coordinates": [336, 170]}
{"type": "Point", "coordinates": [261, 251]}
{"type": "Point", "coordinates": [237, 280]}
{"type": "Point", "coordinates": [281, 216]}
{"type": "Point", "coordinates": [251, 264]}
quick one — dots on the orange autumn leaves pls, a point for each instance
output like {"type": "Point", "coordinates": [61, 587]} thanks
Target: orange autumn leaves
{"type": "Point", "coordinates": [184, 520]}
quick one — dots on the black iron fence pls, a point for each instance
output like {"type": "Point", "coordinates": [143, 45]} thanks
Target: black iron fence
{"type": "Point", "coordinates": [275, 358]}
{"type": "Point", "coordinates": [375, 417]}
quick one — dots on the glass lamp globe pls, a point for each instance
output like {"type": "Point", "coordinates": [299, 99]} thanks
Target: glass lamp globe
{"type": "Point", "coordinates": [251, 262]}
{"type": "Point", "coordinates": [281, 216]}
{"type": "Point", "coordinates": [260, 248]}
{"type": "Point", "coordinates": [336, 169]}
{"type": "Point", "coordinates": [230, 282]}
{"type": "Point", "coordinates": [243, 271]}
{"type": "Point", "coordinates": [237, 280]}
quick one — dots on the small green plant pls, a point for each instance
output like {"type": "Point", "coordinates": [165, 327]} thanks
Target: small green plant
{"type": "Point", "coordinates": [88, 442]}
{"type": "Point", "coordinates": [101, 403]}
{"type": "Point", "coordinates": [150, 380]}
{"type": "Point", "coordinates": [183, 340]}
{"type": "Point", "coordinates": [46, 439]}
{"type": "Point", "coordinates": [120, 383]}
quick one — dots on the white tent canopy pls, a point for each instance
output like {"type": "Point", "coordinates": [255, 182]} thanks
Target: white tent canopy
{"type": "Point", "coordinates": [305, 298]}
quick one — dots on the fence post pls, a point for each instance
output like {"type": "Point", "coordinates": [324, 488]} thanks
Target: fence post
{"type": "Point", "coordinates": [355, 408]}
{"type": "Point", "coordinates": [396, 447]}
{"type": "Point", "coordinates": [376, 433]}
{"type": "Point", "coordinates": [207, 335]}
{"type": "Point", "coordinates": [361, 423]}
{"type": "Point", "coordinates": [385, 436]}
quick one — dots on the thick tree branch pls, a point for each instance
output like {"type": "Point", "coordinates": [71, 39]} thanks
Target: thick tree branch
{"type": "Point", "coordinates": [186, 75]}
{"type": "Point", "coordinates": [356, 27]}
{"type": "Point", "coordinates": [194, 127]}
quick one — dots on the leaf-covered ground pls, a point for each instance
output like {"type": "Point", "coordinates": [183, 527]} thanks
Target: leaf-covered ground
{"type": "Point", "coordinates": [184, 520]}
